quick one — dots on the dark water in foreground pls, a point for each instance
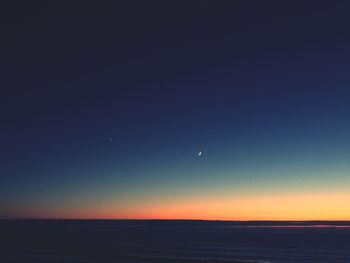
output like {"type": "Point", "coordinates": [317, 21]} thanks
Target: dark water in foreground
{"type": "Point", "coordinates": [43, 241]}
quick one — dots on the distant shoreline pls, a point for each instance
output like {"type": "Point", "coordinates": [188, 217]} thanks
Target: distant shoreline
{"type": "Point", "coordinates": [191, 222]}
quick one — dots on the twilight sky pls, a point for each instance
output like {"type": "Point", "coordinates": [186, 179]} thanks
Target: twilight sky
{"type": "Point", "coordinates": [104, 109]}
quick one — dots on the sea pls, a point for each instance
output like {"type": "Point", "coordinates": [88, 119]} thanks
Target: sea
{"type": "Point", "coordinates": [173, 241]}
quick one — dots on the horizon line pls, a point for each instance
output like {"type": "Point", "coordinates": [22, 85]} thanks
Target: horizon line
{"type": "Point", "coordinates": [175, 219]}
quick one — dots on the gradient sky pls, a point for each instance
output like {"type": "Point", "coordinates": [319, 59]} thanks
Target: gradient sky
{"type": "Point", "coordinates": [104, 109]}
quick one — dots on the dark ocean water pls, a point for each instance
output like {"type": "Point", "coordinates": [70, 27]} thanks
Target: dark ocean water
{"type": "Point", "coordinates": [43, 241]}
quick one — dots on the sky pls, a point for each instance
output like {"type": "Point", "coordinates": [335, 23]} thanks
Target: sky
{"type": "Point", "coordinates": [105, 107]}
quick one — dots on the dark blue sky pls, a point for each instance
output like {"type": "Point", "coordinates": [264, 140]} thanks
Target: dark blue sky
{"type": "Point", "coordinates": [260, 87]}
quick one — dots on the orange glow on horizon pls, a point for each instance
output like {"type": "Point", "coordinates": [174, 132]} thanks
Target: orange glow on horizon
{"type": "Point", "coordinates": [299, 207]}
{"type": "Point", "coordinates": [286, 207]}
